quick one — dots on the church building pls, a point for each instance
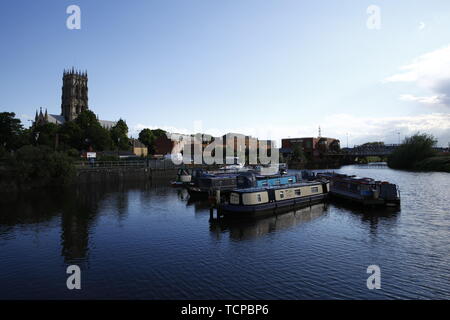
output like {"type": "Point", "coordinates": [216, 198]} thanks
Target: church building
{"type": "Point", "coordinates": [74, 100]}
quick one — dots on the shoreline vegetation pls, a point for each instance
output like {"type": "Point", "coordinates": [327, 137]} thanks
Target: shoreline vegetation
{"type": "Point", "coordinates": [417, 153]}
{"type": "Point", "coordinates": [45, 155]}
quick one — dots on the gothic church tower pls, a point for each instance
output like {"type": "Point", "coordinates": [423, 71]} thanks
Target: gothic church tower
{"type": "Point", "coordinates": [74, 94]}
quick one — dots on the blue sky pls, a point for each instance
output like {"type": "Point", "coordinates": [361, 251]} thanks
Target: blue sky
{"type": "Point", "coordinates": [272, 69]}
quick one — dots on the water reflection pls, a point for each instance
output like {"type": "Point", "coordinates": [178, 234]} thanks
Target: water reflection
{"type": "Point", "coordinates": [254, 228]}
{"type": "Point", "coordinates": [75, 209]}
{"type": "Point", "coordinates": [371, 216]}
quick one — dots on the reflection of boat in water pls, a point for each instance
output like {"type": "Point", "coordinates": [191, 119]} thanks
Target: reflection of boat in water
{"type": "Point", "coordinates": [273, 199]}
{"type": "Point", "coordinates": [184, 177]}
{"type": "Point", "coordinates": [365, 191]}
{"type": "Point", "coordinates": [254, 228]}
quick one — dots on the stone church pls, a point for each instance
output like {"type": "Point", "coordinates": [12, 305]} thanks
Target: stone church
{"type": "Point", "coordinates": [74, 100]}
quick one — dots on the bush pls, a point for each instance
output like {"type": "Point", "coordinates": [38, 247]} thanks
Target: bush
{"type": "Point", "coordinates": [40, 166]}
{"type": "Point", "coordinates": [412, 150]}
{"type": "Point", "coordinates": [441, 163]}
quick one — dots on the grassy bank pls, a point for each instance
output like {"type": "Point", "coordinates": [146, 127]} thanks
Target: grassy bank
{"type": "Point", "coordinates": [418, 153]}
{"type": "Point", "coordinates": [439, 163]}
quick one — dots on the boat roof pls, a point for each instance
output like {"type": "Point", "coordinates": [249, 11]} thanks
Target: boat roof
{"type": "Point", "coordinates": [283, 186]}
{"type": "Point", "coordinates": [351, 178]}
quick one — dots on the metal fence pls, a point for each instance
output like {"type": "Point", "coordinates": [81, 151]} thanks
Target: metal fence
{"type": "Point", "coordinates": [151, 163]}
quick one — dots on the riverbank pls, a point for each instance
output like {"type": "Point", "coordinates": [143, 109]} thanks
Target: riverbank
{"type": "Point", "coordinates": [438, 164]}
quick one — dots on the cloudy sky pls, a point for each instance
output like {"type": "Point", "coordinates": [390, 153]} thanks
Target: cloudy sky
{"type": "Point", "coordinates": [272, 69]}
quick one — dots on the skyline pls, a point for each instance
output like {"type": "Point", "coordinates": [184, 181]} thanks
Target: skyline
{"type": "Point", "coordinates": [272, 70]}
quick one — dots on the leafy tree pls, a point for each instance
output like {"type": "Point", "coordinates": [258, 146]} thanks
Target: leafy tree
{"type": "Point", "coordinates": [412, 150]}
{"type": "Point", "coordinates": [92, 133]}
{"type": "Point", "coordinates": [119, 135]}
{"type": "Point", "coordinates": [45, 134]}
{"type": "Point", "coordinates": [71, 136]}
{"type": "Point", "coordinates": [148, 138]}
{"type": "Point", "coordinates": [41, 166]}
{"type": "Point", "coordinates": [11, 131]}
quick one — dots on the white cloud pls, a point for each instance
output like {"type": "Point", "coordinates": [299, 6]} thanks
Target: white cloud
{"type": "Point", "coordinates": [437, 99]}
{"type": "Point", "coordinates": [430, 71]}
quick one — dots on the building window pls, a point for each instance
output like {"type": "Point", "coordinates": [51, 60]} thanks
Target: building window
{"type": "Point", "coordinates": [315, 189]}
{"type": "Point", "coordinates": [281, 194]}
{"type": "Point", "coordinates": [298, 192]}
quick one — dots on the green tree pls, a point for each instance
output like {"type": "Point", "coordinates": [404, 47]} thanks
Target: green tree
{"type": "Point", "coordinates": [46, 134]}
{"type": "Point", "coordinates": [412, 150]}
{"type": "Point", "coordinates": [148, 137]}
{"type": "Point", "coordinates": [71, 136]}
{"type": "Point", "coordinates": [11, 131]}
{"type": "Point", "coordinates": [93, 135]}
{"type": "Point", "coordinates": [119, 135]}
{"type": "Point", "coordinates": [41, 166]}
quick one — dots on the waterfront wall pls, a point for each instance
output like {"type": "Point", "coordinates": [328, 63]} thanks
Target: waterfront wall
{"type": "Point", "coordinates": [102, 175]}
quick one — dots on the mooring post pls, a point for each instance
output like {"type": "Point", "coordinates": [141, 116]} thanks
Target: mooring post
{"type": "Point", "coordinates": [217, 197]}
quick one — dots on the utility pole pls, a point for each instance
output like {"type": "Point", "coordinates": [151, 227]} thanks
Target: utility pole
{"type": "Point", "coordinates": [347, 140]}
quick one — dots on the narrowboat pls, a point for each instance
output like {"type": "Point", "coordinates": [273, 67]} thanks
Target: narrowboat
{"type": "Point", "coordinates": [275, 199]}
{"type": "Point", "coordinates": [365, 191]}
{"type": "Point", "coordinates": [206, 184]}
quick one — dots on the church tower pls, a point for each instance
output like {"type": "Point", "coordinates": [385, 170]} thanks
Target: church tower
{"type": "Point", "coordinates": [74, 94]}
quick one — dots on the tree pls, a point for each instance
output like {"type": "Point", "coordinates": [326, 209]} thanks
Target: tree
{"type": "Point", "coordinates": [92, 133]}
{"type": "Point", "coordinates": [45, 134]}
{"type": "Point", "coordinates": [412, 150]}
{"type": "Point", "coordinates": [41, 166]}
{"type": "Point", "coordinates": [148, 138]}
{"type": "Point", "coordinates": [119, 135]}
{"type": "Point", "coordinates": [11, 130]}
{"type": "Point", "coordinates": [71, 136]}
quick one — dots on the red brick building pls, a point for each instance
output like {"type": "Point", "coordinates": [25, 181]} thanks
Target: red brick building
{"type": "Point", "coordinates": [311, 147]}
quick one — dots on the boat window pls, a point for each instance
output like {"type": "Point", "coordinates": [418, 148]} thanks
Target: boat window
{"type": "Point", "coordinates": [290, 180]}
{"type": "Point", "coordinates": [314, 189]}
{"type": "Point", "coordinates": [265, 184]}
{"type": "Point", "coordinates": [258, 197]}
{"type": "Point", "coordinates": [281, 194]}
{"type": "Point", "coordinates": [298, 192]}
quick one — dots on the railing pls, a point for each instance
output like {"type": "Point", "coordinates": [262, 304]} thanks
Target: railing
{"type": "Point", "coordinates": [152, 164]}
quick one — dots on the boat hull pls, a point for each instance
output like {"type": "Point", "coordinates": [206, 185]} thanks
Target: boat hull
{"type": "Point", "coordinates": [354, 198]}
{"type": "Point", "coordinates": [276, 207]}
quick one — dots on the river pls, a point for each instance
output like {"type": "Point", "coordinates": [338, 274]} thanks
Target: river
{"type": "Point", "coordinates": [148, 241]}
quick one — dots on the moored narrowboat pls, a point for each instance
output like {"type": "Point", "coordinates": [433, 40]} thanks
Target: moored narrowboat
{"type": "Point", "coordinates": [365, 191]}
{"type": "Point", "coordinates": [274, 199]}
{"type": "Point", "coordinates": [206, 184]}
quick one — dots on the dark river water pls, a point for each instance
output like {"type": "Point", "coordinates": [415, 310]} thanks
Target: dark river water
{"type": "Point", "coordinates": [147, 241]}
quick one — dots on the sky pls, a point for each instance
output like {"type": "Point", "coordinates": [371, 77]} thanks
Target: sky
{"type": "Point", "coordinates": [272, 69]}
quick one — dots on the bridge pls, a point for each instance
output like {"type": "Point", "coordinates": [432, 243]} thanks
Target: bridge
{"type": "Point", "coordinates": [382, 150]}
